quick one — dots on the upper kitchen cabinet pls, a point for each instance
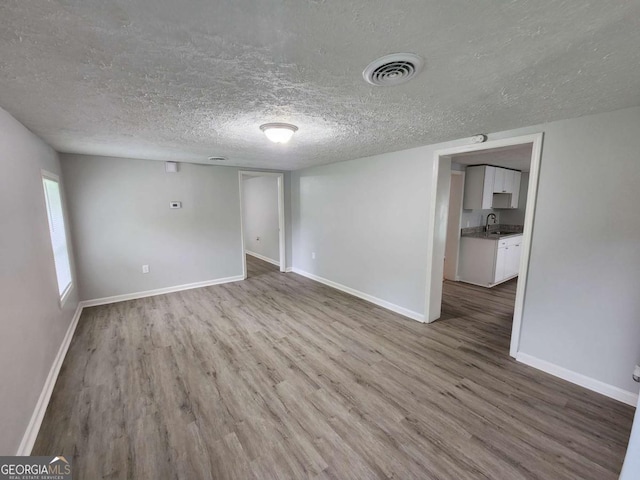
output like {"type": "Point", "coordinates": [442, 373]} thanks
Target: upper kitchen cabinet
{"type": "Point", "coordinates": [488, 187]}
{"type": "Point", "coordinates": [478, 187]}
{"type": "Point", "coordinates": [504, 180]}
{"type": "Point", "coordinates": [500, 180]}
{"type": "Point", "coordinates": [515, 194]}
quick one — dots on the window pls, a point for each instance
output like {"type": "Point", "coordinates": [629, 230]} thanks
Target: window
{"type": "Point", "coordinates": [58, 234]}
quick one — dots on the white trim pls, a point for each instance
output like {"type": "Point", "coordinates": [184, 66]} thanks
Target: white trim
{"type": "Point", "coordinates": [532, 195]}
{"type": "Point", "coordinates": [262, 257]}
{"type": "Point", "coordinates": [65, 295]}
{"type": "Point", "coordinates": [31, 433]}
{"type": "Point", "coordinates": [159, 291]}
{"type": "Point", "coordinates": [431, 228]}
{"type": "Point", "coordinates": [458, 233]}
{"type": "Point", "coordinates": [50, 175]}
{"type": "Point", "coordinates": [289, 270]}
{"type": "Point", "coordinates": [281, 225]}
{"type": "Point", "coordinates": [536, 156]}
{"type": "Point", "coordinates": [281, 216]}
{"type": "Point", "coordinates": [589, 383]}
{"type": "Point", "coordinates": [364, 296]}
{"type": "Point", "coordinates": [241, 194]}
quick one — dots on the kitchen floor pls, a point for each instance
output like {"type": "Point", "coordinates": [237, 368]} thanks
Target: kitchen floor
{"type": "Point", "coordinates": [461, 299]}
{"type": "Point", "coordinates": [282, 377]}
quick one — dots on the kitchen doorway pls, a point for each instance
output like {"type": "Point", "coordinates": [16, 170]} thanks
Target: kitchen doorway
{"type": "Point", "coordinates": [454, 219]}
{"type": "Point", "coordinates": [262, 220]}
{"type": "Point", "coordinates": [439, 214]}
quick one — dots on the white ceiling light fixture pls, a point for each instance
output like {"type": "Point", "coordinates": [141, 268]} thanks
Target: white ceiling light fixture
{"type": "Point", "coordinates": [393, 69]}
{"type": "Point", "coordinates": [279, 132]}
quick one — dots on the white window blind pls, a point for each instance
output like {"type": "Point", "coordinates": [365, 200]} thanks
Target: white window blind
{"type": "Point", "coordinates": [58, 235]}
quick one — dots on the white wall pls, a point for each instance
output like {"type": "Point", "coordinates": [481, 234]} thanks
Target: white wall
{"type": "Point", "coordinates": [582, 308]}
{"type": "Point", "coordinates": [362, 220]}
{"type": "Point", "coordinates": [121, 220]}
{"type": "Point", "coordinates": [33, 324]}
{"type": "Point", "coordinates": [261, 225]}
{"type": "Point", "coordinates": [441, 211]}
{"type": "Point", "coordinates": [477, 218]}
{"type": "Point", "coordinates": [367, 219]}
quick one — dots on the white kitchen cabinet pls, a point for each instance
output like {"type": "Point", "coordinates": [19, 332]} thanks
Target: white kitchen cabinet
{"type": "Point", "coordinates": [512, 265]}
{"type": "Point", "coordinates": [515, 194]}
{"type": "Point", "coordinates": [504, 180]}
{"type": "Point", "coordinates": [488, 262]}
{"type": "Point", "coordinates": [501, 264]}
{"type": "Point", "coordinates": [478, 187]}
{"type": "Point", "coordinates": [499, 180]}
{"type": "Point", "coordinates": [486, 187]}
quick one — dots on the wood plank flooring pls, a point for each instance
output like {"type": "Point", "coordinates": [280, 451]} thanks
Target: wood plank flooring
{"type": "Point", "coordinates": [281, 377]}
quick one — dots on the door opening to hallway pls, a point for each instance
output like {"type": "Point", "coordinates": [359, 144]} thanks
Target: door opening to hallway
{"type": "Point", "coordinates": [262, 217]}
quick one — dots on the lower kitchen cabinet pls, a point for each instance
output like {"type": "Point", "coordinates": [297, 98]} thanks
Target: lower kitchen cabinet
{"type": "Point", "coordinates": [507, 259]}
{"type": "Point", "coordinates": [488, 262]}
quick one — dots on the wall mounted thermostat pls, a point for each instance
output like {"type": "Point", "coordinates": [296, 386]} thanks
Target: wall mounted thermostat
{"type": "Point", "coordinates": [171, 167]}
{"type": "Point", "coordinates": [175, 204]}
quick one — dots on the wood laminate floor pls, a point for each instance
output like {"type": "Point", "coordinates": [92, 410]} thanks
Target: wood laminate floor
{"type": "Point", "coordinates": [282, 377]}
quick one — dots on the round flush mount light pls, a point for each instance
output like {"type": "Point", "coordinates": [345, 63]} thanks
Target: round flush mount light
{"type": "Point", "coordinates": [393, 69]}
{"type": "Point", "coordinates": [279, 132]}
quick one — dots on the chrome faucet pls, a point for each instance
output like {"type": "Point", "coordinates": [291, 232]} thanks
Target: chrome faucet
{"type": "Point", "coordinates": [486, 226]}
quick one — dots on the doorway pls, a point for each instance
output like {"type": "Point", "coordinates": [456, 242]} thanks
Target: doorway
{"type": "Point", "coordinates": [452, 245]}
{"type": "Point", "coordinates": [262, 220]}
{"type": "Point", "coordinates": [438, 220]}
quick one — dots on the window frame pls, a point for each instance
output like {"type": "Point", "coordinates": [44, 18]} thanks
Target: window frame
{"type": "Point", "coordinates": [46, 175]}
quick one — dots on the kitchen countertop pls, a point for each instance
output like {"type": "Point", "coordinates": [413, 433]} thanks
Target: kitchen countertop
{"type": "Point", "coordinates": [506, 230]}
{"type": "Point", "coordinates": [490, 235]}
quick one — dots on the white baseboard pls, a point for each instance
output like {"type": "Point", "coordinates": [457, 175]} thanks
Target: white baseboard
{"type": "Point", "coordinates": [589, 383]}
{"type": "Point", "coordinates": [159, 291]}
{"type": "Point", "coordinates": [288, 269]}
{"type": "Point", "coordinates": [30, 435]}
{"type": "Point", "coordinates": [365, 296]}
{"type": "Point", "coordinates": [262, 257]}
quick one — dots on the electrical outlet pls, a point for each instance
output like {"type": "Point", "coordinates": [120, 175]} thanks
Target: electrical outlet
{"type": "Point", "coordinates": [145, 268]}
{"type": "Point", "coordinates": [313, 255]}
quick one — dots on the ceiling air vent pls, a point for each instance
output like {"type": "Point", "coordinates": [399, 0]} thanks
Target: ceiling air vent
{"type": "Point", "coordinates": [393, 69]}
{"type": "Point", "coordinates": [217, 159]}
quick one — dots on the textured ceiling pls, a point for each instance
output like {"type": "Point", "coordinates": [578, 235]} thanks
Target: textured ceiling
{"type": "Point", "coordinates": [186, 79]}
{"type": "Point", "coordinates": [517, 157]}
